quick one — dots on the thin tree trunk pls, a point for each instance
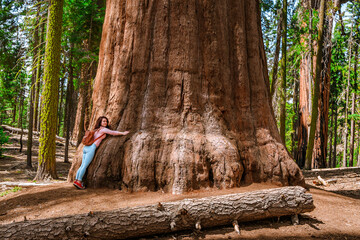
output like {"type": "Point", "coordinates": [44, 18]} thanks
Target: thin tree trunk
{"type": "Point", "coordinates": [345, 132]}
{"type": "Point", "coordinates": [276, 57]}
{"type": "Point", "coordinates": [38, 82]}
{"type": "Point", "coordinates": [283, 73]}
{"type": "Point", "coordinates": [321, 135]}
{"type": "Point", "coordinates": [47, 149]}
{"type": "Point", "coordinates": [331, 136]}
{"type": "Point", "coordinates": [352, 131]}
{"type": "Point", "coordinates": [60, 107]}
{"type": "Point", "coordinates": [352, 123]}
{"type": "Point", "coordinates": [85, 92]}
{"type": "Point", "coordinates": [69, 93]}
{"type": "Point", "coordinates": [333, 160]}
{"type": "Point", "coordinates": [32, 90]}
{"type": "Point", "coordinates": [79, 128]}
{"type": "Point", "coordinates": [305, 89]}
{"type": "Point", "coordinates": [296, 120]}
{"type": "Point", "coordinates": [314, 114]}
{"type": "Point", "coordinates": [14, 110]}
{"type": "Point", "coordinates": [20, 120]}
{"type": "Point", "coordinates": [358, 148]}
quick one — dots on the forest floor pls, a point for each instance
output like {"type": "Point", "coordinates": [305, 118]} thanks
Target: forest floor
{"type": "Point", "coordinates": [336, 216]}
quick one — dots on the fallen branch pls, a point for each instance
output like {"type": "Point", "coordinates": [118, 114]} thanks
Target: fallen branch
{"type": "Point", "coordinates": [323, 182]}
{"type": "Point", "coordinates": [24, 184]}
{"type": "Point", "coordinates": [166, 217]}
{"type": "Point", "coordinates": [25, 131]}
{"type": "Point", "coordinates": [331, 172]}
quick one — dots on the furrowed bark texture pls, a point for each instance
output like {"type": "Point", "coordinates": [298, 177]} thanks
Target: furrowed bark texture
{"type": "Point", "coordinates": [316, 90]}
{"type": "Point", "coordinates": [305, 88]}
{"type": "Point", "coordinates": [321, 135]}
{"type": "Point", "coordinates": [194, 93]}
{"type": "Point", "coordinates": [47, 149]}
{"type": "Point", "coordinates": [166, 217]}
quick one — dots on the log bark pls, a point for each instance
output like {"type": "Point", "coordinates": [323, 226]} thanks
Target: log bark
{"type": "Point", "coordinates": [166, 217]}
{"type": "Point", "coordinates": [331, 172]}
{"type": "Point", "coordinates": [194, 93]}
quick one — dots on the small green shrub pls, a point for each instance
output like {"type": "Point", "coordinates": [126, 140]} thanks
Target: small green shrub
{"type": "Point", "coordinates": [3, 139]}
{"type": "Point", "coordinates": [14, 189]}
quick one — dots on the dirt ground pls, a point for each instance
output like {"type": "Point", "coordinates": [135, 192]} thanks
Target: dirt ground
{"type": "Point", "coordinates": [336, 216]}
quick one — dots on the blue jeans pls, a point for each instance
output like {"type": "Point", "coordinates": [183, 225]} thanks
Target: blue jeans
{"type": "Point", "coordinates": [88, 155]}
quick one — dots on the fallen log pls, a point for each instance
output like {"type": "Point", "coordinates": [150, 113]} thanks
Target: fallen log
{"type": "Point", "coordinates": [331, 172]}
{"type": "Point", "coordinates": [166, 217]}
{"type": "Point", "coordinates": [25, 131]}
{"type": "Point", "coordinates": [23, 184]}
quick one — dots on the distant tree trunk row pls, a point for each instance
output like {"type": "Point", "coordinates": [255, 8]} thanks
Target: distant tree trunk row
{"type": "Point", "coordinates": [315, 77]}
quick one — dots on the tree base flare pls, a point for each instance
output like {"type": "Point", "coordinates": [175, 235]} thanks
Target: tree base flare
{"type": "Point", "coordinates": [179, 162]}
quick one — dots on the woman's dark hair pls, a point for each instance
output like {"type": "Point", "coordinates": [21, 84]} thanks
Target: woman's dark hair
{"type": "Point", "coordinates": [99, 120]}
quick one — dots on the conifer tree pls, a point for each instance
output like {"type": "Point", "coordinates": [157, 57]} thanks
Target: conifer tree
{"type": "Point", "coordinates": [47, 166]}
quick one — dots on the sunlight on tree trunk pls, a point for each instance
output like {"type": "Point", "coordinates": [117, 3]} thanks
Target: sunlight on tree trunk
{"type": "Point", "coordinates": [47, 149]}
{"type": "Point", "coordinates": [32, 89]}
{"type": "Point", "coordinates": [315, 97]}
{"type": "Point", "coordinates": [322, 125]}
{"type": "Point", "coordinates": [190, 83]}
{"type": "Point", "coordinates": [352, 123]}
{"type": "Point", "coordinates": [283, 73]}
{"type": "Point", "coordinates": [345, 132]}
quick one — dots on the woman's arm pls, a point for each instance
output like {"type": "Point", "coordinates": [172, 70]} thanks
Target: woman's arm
{"type": "Point", "coordinates": [111, 132]}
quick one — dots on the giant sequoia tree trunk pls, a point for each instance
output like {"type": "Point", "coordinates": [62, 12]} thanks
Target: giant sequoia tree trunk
{"type": "Point", "coordinates": [194, 93]}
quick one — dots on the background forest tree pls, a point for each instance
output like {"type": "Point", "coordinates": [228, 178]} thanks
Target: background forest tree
{"type": "Point", "coordinates": [341, 65]}
{"type": "Point", "coordinates": [23, 39]}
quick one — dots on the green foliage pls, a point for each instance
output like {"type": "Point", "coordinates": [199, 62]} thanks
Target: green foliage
{"type": "Point", "coordinates": [13, 75]}
{"type": "Point", "coordinates": [3, 139]}
{"type": "Point", "coordinates": [82, 20]}
{"type": "Point", "coordinates": [14, 189]}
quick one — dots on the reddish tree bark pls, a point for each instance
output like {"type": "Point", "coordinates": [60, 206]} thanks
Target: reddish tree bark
{"type": "Point", "coordinates": [194, 93]}
{"type": "Point", "coordinates": [82, 112]}
{"type": "Point", "coordinates": [321, 134]}
{"type": "Point", "coordinates": [305, 83]}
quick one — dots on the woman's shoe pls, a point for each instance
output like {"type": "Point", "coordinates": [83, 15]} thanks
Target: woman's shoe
{"type": "Point", "coordinates": [79, 184]}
